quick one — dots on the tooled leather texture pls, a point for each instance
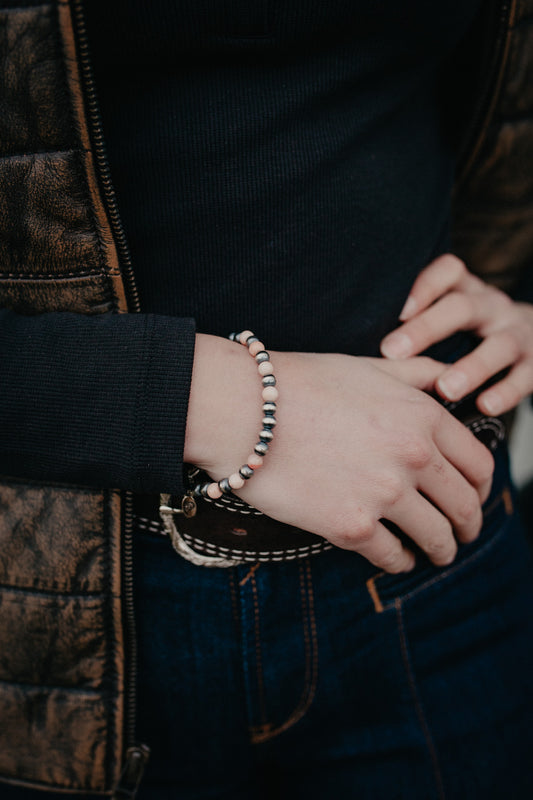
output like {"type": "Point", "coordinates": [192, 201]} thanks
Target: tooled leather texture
{"type": "Point", "coordinates": [61, 630]}
{"type": "Point", "coordinates": [493, 228]}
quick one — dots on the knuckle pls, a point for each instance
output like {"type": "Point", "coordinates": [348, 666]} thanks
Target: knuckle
{"type": "Point", "coordinates": [465, 304]}
{"type": "Point", "coordinates": [442, 549]}
{"type": "Point", "coordinates": [391, 488]}
{"type": "Point", "coordinates": [418, 453]}
{"type": "Point", "coordinates": [422, 329]}
{"type": "Point", "coordinates": [393, 561]}
{"type": "Point", "coordinates": [352, 529]}
{"type": "Point", "coordinates": [363, 530]}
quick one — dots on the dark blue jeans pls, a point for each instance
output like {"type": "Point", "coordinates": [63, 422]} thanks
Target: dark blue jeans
{"type": "Point", "coordinates": [323, 679]}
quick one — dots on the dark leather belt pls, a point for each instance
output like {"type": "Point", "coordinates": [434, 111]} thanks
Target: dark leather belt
{"type": "Point", "coordinates": [223, 535]}
{"type": "Point", "coordinates": [219, 537]}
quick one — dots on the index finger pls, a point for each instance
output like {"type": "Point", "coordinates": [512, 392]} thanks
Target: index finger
{"type": "Point", "coordinates": [440, 276]}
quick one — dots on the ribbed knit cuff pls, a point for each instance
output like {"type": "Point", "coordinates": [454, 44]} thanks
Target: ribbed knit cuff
{"type": "Point", "coordinates": [162, 406]}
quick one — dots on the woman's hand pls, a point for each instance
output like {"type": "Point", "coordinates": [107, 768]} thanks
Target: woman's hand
{"type": "Point", "coordinates": [447, 298]}
{"type": "Point", "coordinates": [353, 445]}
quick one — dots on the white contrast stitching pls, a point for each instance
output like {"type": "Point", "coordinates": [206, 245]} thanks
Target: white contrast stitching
{"type": "Point", "coordinates": [145, 524]}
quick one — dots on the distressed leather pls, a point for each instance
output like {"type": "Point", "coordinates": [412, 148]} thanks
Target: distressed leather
{"type": "Point", "coordinates": [56, 248]}
{"type": "Point", "coordinates": [61, 661]}
{"type": "Point", "coordinates": [61, 618]}
{"type": "Point", "coordinates": [62, 678]}
{"type": "Point", "coordinates": [493, 219]}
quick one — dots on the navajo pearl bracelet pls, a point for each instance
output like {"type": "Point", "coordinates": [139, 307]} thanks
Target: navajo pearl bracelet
{"type": "Point", "coordinates": [236, 480]}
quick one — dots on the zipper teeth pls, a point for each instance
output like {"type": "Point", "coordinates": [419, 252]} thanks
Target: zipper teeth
{"type": "Point", "coordinates": [102, 165]}
{"type": "Point", "coordinates": [473, 137]}
{"type": "Point", "coordinates": [104, 174]}
{"type": "Point", "coordinates": [131, 693]}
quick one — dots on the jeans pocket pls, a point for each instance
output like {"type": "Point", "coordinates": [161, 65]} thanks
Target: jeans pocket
{"type": "Point", "coordinates": [385, 588]}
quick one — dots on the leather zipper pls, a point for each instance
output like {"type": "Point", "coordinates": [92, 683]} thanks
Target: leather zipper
{"type": "Point", "coordinates": [134, 764]}
{"type": "Point", "coordinates": [96, 133]}
{"type": "Point", "coordinates": [132, 772]}
{"type": "Point", "coordinates": [136, 754]}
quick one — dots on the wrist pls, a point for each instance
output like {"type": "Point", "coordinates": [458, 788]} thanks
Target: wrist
{"type": "Point", "coordinates": [224, 406]}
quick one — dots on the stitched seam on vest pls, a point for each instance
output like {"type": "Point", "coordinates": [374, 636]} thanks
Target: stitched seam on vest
{"type": "Point", "coordinates": [54, 686]}
{"type": "Point", "coordinates": [51, 592]}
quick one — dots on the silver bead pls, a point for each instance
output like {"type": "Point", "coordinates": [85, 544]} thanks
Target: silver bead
{"type": "Point", "coordinates": [232, 337]}
{"type": "Point", "coordinates": [268, 421]}
{"type": "Point", "coordinates": [262, 356]}
{"type": "Point", "coordinates": [266, 435]}
{"type": "Point", "coordinates": [246, 472]}
{"type": "Point", "coordinates": [261, 448]}
{"type": "Point", "coordinates": [224, 486]}
{"type": "Point", "coordinates": [269, 408]}
{"type": "Point", "coordinates": [250, 340]}
{"type": "Point", "coordinates": [269, 380]}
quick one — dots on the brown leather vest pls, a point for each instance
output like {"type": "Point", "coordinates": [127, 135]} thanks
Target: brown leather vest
{"type": "Point", "coordinates": [63, 550]}
{"type": "Point", "coordinates": [67, 658]}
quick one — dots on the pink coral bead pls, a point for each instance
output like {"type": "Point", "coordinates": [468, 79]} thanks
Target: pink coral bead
{"type": "Point", "coordinates": [235, 481]}
{"type": "Point", "coordinates": [265, 368]}
{"type": "Point", "coordinates": [256, 348]}
{"type": "Point", "coordinates": [244, 336]}
{"type": "Point", "coordinates": [214, 491]}
{"type": "Point", "coordinates": [270, 394]}
{"type": "Point", "coordinates": [254, 461]}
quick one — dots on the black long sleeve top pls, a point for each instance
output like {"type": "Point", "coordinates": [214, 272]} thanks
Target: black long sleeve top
{"type": "Point", "coordinates": [279, 166]}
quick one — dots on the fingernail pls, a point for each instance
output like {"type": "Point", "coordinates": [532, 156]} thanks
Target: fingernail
{"type": "Point", "coordinates": [492, 402]}
{"type": "Point", "coordinates": [447, 560]}
{"type": "Point", "coordinates": [397, 345]}
{"type": "Point", "coordinates": [409, 308]}
{"type": "Point", "coordinates": [453, 384]}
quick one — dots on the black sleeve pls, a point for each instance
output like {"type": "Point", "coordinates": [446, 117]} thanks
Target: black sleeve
{"type": "Point", "coordinates": [99, 401]}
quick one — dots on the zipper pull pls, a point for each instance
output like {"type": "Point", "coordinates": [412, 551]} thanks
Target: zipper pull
{"type": "Point", "coordinates": [132, 772]}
